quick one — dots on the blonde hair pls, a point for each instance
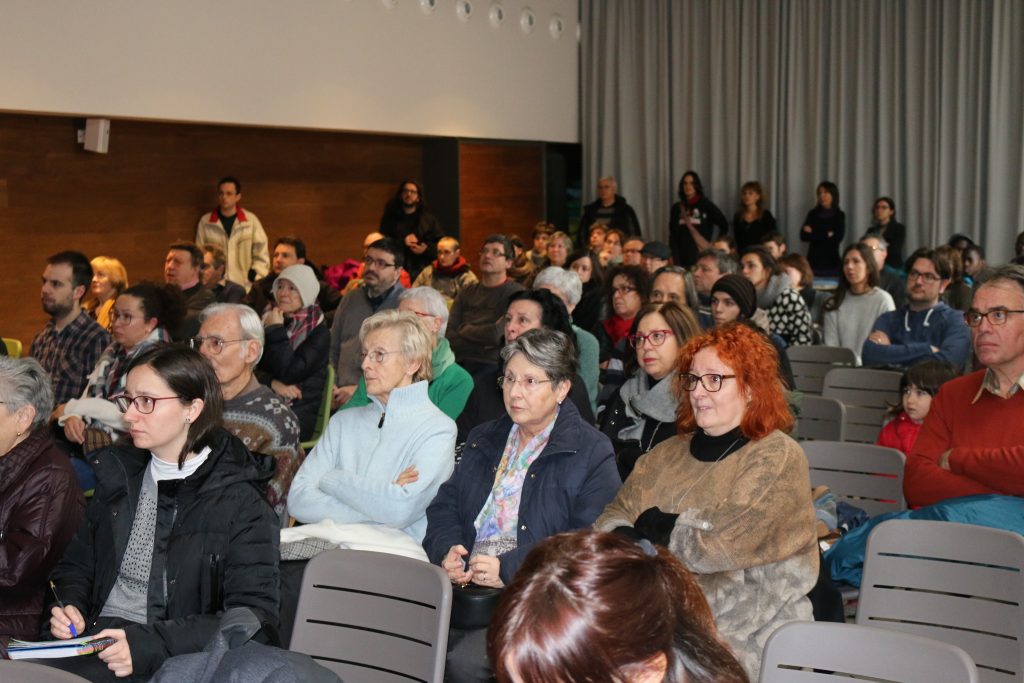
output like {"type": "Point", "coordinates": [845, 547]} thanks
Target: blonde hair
{"type": "Point", "coordinates": [114, 269]}
{"type": "Point", "coordinates": [416, 340]}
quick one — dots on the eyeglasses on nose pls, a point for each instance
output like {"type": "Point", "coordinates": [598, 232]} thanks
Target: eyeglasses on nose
{"type": "Point", "coordinates": [927, 277]}
{"type": "Point", "coordinates": [654, 338]}
{"type": "Point", "coordinates": [996, 316]}
{"type": "Point", "coordinates": [376, 356]}
{"type": "Point", "coordinates": [377, 263]}
{"type": "Point", "coordinates": [143, 404]}
{"type": "Point", "coordinates": [623, 290]}
{"type": "Point", "coordinates": [712, 382]}
{"type": "Point", "coordinates": [212, 344]}
{"type": "Point", "coordinates": [527, 383]}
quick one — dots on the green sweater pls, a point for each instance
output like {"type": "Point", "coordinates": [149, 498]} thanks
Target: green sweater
{"type": "Point", "coordinates": [449, 389]}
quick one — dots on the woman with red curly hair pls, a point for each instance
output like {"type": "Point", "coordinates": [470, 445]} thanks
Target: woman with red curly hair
{"type": "Point", "coordinates": [730, 496]}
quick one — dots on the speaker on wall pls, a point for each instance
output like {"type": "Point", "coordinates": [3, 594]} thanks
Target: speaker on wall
{"type": "Point", "coordinates": [97, 135]}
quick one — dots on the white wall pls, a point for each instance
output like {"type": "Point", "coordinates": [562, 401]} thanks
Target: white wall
{"type": "Point", "coordinates": [362, 65]}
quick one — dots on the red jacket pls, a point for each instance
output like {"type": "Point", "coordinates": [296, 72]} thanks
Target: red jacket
{"type": "Point", "coordinates": [899, 433]}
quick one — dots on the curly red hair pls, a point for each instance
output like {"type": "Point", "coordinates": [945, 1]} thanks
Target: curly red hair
{"type": "Point", "coordinates": [755, 363]}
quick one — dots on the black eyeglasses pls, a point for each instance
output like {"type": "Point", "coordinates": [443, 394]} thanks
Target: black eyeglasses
{"type": "Point", "coordinates": [996, 316]}
{"type": "Point", "coordinates": [143, 404]}
{"type": "Point", "coordinates": [378, 263]}
{"type": "Point", "coordinates": [711, 381]}
{"type": "Point", "coordinates": [927, 277]}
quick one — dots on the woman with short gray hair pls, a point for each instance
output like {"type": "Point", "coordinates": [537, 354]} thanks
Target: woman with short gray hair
{"type": "Point", "coordinates": [42, 504]}
{"type": "Point", "coordinates": [538, 470]}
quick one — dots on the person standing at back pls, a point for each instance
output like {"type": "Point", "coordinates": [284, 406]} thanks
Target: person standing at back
{"type": "Point", "coordinates": [407, 221]}
{"type": "Point", "coordinates": [238, 232]}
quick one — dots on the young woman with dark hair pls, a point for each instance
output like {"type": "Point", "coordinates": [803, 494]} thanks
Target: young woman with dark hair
{"type": "Point", "coordinates": [885, 225]}
{"type": "Point", "coordinates": [851, 312]}
{"type": "Point", "coordinates": [752, 221]}
{"type": "Point", "coordinates": [178, 530]}
{"type": "Point", "coordinates": [787, 313]}
{"type": "Point", "coordinates": [824, 227]}
{"type": "Point", "coordinates": [593, 305]}
{"type": "Point", "coordinates": [571, 615]}
{"type": "Point", "coordinates": [694, 222]}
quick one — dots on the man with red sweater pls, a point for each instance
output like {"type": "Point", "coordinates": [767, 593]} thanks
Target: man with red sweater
{"type": "Point", "coordinates": [972, 441]}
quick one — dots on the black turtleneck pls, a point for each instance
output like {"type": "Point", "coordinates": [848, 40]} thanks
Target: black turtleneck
{"type": "Point", "coordinates": [713, 448]}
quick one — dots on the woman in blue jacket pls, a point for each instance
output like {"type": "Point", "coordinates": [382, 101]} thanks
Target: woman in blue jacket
{"type": "Point", "coordinates": [537, 471]}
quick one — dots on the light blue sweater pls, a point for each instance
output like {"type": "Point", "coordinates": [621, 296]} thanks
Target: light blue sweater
{"type": "Point", "coordinates": [349, 475]}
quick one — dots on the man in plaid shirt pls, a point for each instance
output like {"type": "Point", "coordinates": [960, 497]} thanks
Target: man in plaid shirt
{"type": "Point", "coordinates": [71, 343]}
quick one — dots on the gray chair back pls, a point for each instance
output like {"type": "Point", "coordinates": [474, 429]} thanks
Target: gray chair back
{"type": "Point", "coordinates": [27, 672]}
{"type": "Point", "coordinates": [810, 364]}
{"type": "Point", "coordinates": [374, 617]}
{"type": "Point", "coordinates": [866, 476]}
{"type": "Point", "coordinates": [821, 652]}
{"type": "Point", "coordinates": [867, 395]}
{"type": "Point", "coordinates": [958, 583]}
{"type": "Point", "coordinates": [820, 419]}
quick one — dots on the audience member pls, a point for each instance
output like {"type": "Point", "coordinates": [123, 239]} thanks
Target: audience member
{"type": "Point", "coordinates": [408, 223]}
{"type": "Point", "coordinates": [214, 279]}
{"type": "Point", "coordinates": [378, 291]}
{"type": "Point", "coordinates": [725, 243]}
{"type": "Point", "coordinates": [153, 513]}
{"type": "Point", "coordinates": [449, 385]}
{"type": "Point", "coordinates": [611, 252]}
{"type": "Point", "coordinates": [958, 293]}
{"type": "Point", "coordinates": [71, 342]}
{"type": "Point", "coordinates": [960, 242]}
{"type": "Point", "coordinates": [595, 240]}
{"type": "Point", "coordinates": [142, 317]}
{"type": "Point", "coordinates": [787, 312]}
{"type": "Point", "coordinates": [888, 228]}
{"type": "Point", "coordinates": [538, 470]}
{"type": "Point", "coordinates": [889, 278]}
{"type": "Point", "coordinates": [642, 413]}
{"type": "Point", "coordinates": [971, 440]}
{"type": "Point", "coordinates": [655, 255]}
{"type": "Point", "coordinates": [381, 463]}
{"type": "Point", "coordinates": [237, 232]}
{"type": "Point", "coordinates": [474, 328]}
{"type": "Point", "coordinates": [357, 280]}
{"type": "Point", "coordinates": [801, 277]}
{"type": "Point", "coordinates": [559, 248]}
{"type": "Point", "coordinates": [593, 304]}
{"type": "Point", "coordinates": [542, 233]}
{"type": "Point", "coordinates": [566, 285]}
{"type": "Point", "coordinates": [775, 243]}
{"type": "Point", "coordinates": [674, 283]}
{"type": "Point", "coordinates": [109, 279]}
{"type": "Point", "coordinates": [918, 387]}
{"type": "Point", "coordinates": [290, 251]}
{"type": "Point", "coordinates": [923, 329]}
{"type": "Point", "coordinates": [711, 265]}
{"type": "Point", "coordinates": [694, 222]}
{"type": "Point", "coordinates": [527, 310]}
{"type": "Point", "coordinates": [851, 311]}
{"type": "Point", "coordinates": [450, 273]}
{"type": "Point", "coordinates": [42, 504]}
{"type": "Point", "coordinates": [628, 291]}
{"type": "Point", "coordinates": [824, 227]}
{"type": "Point", "coordinates": [295, 357]}
{"type": "Point", "coordinates": [571, 615]}
{"type": "Point", "coordinates": [976, 270]}
{"type": "Point", "coordinates": [752, 221]}
{"type": "Point", "coordinates": [609, 210]}
{"type": "Point", "coordinates": [260, 419]}
{"type": "Point", "coordinates": [183, 267]}
{"type": "Point", "coordinates": [522, 269]}
{"type": "Point", "coordinates": [632, 252]}
{"type": "Point", "coordinates": [747, 531]}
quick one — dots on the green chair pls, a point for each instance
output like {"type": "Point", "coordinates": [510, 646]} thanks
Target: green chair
{"type": "Point", "coordinates": [325, 411]}
{"type": "Point", "coordinates": [13, 347]}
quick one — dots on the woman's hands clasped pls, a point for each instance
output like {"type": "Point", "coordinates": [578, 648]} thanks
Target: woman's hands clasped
{"type": "Point", "coordinates": [482, 570]}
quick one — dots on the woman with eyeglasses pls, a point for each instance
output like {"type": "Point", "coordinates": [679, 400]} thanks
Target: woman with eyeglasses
{"type": "Point", "coordinates": [294, 362]}
{"type": "Point", "coordinates": [731, 497]}
{"type": "Point", "coordinates": [642, 413]}
{"type": "Point", "coordinates": [537, 470]}
{"type": "Point", "coordinates": [527, 310]}
{"type": "Point", "coordinates": [142, 316]}
{"type": "Point", "coordinates": [177, 532]}
{"type": "Point", "coordinates": [382, 463]}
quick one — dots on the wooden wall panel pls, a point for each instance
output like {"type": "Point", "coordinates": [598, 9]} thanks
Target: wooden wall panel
{"type": "Point", "coordinates": [501, 189]}
{"type": "Point", "coordinates": [329, 188]}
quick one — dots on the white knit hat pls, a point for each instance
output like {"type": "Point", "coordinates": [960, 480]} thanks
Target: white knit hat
{"type": "Point", "coordinates": [303, 279]}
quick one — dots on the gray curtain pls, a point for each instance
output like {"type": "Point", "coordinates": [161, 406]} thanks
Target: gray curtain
{"type": "Point", "coordinates": [920, 100]}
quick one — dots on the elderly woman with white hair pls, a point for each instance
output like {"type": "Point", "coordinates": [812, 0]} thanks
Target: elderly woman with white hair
{"type": "Point", "coordinates": [567, 286]}
{"type": "Point", "coordinates": [42, 504]}
{"type": "Point", "coordinates": [450, 385]}
{"type": "Point", "coordinates": [298, 342]}
{"type": "Point", "coordinates": [382, 463]}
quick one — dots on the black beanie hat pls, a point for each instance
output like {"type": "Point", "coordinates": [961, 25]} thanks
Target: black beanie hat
{"type": "Point", "coordinates": [741, 290]}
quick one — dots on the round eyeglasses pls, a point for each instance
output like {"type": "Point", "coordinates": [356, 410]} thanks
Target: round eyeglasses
{"type": "Point", "coordinates": [654, 338]}
{"type": "Point", "coordinates": [143, 404]}
{"type": "Point", "coordinates": [712, 382]}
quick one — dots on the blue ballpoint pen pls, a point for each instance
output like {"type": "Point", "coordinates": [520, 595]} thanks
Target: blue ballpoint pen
{"type": "Point", "coordinates": [71, 625]}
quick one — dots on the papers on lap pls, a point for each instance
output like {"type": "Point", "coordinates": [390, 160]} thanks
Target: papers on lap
{"type": "Point", "coordinates": [56, 649]}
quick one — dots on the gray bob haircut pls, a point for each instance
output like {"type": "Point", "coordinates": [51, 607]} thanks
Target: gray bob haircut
{"type": "Point", "coordinates": [567, 282]}
{"type": "Point", "coordinates": [248, 320]}
{"type": "Point", "coordinates": [416, 341]}
{"type": "Point", "coordinates": [549, 350]}
{"type": "Point", "coordinates": [24, 382]}
{"type": "Point", "coordinates": [432, 300]}
{"type": "Point", "coordinates": [727, 265]}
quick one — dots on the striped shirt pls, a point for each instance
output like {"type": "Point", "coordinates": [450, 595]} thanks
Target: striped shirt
{"type": "Point", "coordinates": [70, 354]}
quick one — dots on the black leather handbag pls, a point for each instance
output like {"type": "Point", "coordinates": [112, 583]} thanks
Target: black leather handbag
{"type": "Point", "coordinates": [473, 605]}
